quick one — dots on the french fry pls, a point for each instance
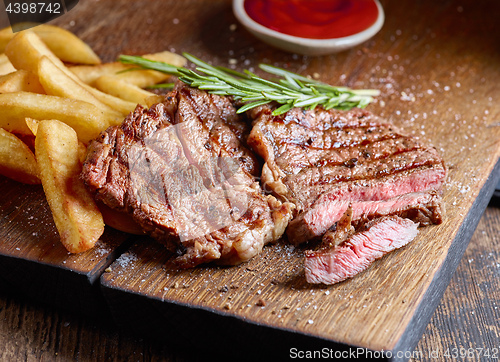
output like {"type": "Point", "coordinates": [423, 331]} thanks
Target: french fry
{"type": "Point", "coordinates": [64, 44]}
{"type": "Point", "coordinates": [26, 50]}
{"type": "Point", "coordinates": [87, 120]}
{"type": "Point", "coordinates": [155, 98]}
{"type": "Point", "coordinates": [120, 105]}
{"type": "Point", "coordinates": [17, 161]}
{"type": "Point", "coordinates": [113, 85]}
{"type": "Point", "coordinates": [146, 78]}
{"type": "Point", "coordinates": [20, 81]}
{"type": "Point", "coordinates": [56, 82]}
{"type": "Point", "coordinates": [6, 34]}
{"type": "Point", "coordinates": [82, 152]}
{"type": "Point", "coordinates": [89, 73]}
{"type": "Point", "coordinates": [77, 218]}
{"type": "Point", "coordinates": [6, 66]}
{"type": "Point", "coordinates": [139, 78]}
{"type": "Point", "coordinates": [32, 125]}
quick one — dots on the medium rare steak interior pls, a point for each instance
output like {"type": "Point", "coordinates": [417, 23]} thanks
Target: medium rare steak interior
{"type": "Point", "coordinates": [183, 171]}
{"type": "Point", "coordinates": [322, 161]}
{"type": "Point", "coordinates": [356, 252]}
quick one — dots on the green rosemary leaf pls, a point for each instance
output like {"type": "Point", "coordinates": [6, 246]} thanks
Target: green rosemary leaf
{"type": "Point", "coordinates": [290, 90]}
{"type": "Point", "coordinates": [283, 109]}
{"type": "Point", "coordinates": [251, 105]}
{"type": "Point", "coordinates": [150, 64]}
{"type": "Point", "coordinates": [278, 97]}
{"type": "Point", "coordinates": [311, 100]}
{"type": "Point", "coordinates": [282, 72]}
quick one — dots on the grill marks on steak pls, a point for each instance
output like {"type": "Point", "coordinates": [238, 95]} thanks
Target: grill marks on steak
{"type": "Point", "coordinates": [183, 171]}
{"type": "Point", "coordinates": [331, 265]}
{"type": "Point", "coordinates": [323, 160]}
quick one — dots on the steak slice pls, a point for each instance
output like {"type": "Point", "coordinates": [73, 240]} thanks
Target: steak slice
{"type": "Point", "coordinates": [331, 265]}
{"type": "Point", "coordinates": [422, 207]}
{"type": "Point", "coordinates": [183, 171]}
{"type": "Point", "coordinates": [323, 160]}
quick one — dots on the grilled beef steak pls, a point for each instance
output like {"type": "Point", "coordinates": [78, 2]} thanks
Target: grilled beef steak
{"type": "Point", "coordinates": [183, 171]}
{"type": "Point", "coordinates": [323, 160]}
{"type": "Point", "coordinates": [186, 172]}
{"type": "Point", "coordinates": [333, 264]}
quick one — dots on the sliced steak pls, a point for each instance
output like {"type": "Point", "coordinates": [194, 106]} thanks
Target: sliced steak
{"type": "Point", "coordinates": [422, 207]}
{"type": "Point", "coordinates": [323, 160]}
{"type": "Point", "coordinates": [183, 171]}
{"type": "Point", "coordinates": [331, 265]}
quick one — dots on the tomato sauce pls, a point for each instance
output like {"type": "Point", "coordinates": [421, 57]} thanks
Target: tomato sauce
{"type": "Point", "coordinates": [314, 19]}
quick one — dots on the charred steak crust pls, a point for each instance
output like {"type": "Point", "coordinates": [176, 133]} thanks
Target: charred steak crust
{"type": "Point", "coordinates": [183, 171]}
{"type": "Point", "coordinates": [321, 160]}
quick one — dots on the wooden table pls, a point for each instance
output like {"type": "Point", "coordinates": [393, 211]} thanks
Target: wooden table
{"type": "Point", "coordinates": [467, 317]}
{"type": "Point", "coordinates": [437, 66]}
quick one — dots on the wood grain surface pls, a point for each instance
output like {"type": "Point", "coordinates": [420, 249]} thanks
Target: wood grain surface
{"type": "Point", "coordinates": [436, 64]}
{"type": "Point", "coordinates": [33, 259]}
{"type": "Point", "coordinates": [466, 317]}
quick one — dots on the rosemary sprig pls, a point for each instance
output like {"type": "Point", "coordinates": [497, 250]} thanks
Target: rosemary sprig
{"type": "Point", "coordinates": [290, 90]}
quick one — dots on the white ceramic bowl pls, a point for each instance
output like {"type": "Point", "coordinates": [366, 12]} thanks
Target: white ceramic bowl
{"type": "Point", "coordinates": [306, 46]}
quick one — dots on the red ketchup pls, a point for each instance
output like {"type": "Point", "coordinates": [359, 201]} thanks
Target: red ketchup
{"type": "Point", "coordinates": [314, 19]}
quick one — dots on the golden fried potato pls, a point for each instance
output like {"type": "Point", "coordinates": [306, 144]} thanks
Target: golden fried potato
{"type": "Point", "coordinates": [82, 152]}
{"type": "Point", "coordinates": [89, 73]}
{"type": "Point", "coordinates": [77, 218]}
{"type": "Point", "coordinates": [64, 44]}
{"type": "Point", "coordinates": [20, 81]}
{"type": "Point", "coordinates": [87, 120]}
{"type": "Point", "coordinates": [139, 78]}
{"type": "Point", "coordinates": [32, 125]}
{"type": "Point", "coordinates": [16, 159]}
{"type": "Point", "coordinates": [150, 101]}
{"type": "Point", "coordinates": [6, 66]}
{"type": "Point", "coordinates": [56, 82]}
{"type": "Point", "coordinates": [115, 86]}
{"type": "Point", "coordinates": [26, 49]}
{"type": "Point", "coordinates": [147, 78]}
{"type": "Point", "coordinates": [120, 105]}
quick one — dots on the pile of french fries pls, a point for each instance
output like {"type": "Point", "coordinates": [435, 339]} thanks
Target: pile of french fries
{"type": "Point", "coordinates": [55, 97]}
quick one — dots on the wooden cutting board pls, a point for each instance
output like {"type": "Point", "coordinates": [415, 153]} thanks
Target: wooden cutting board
{"type": "Point", "coordinates": [436, 65]}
